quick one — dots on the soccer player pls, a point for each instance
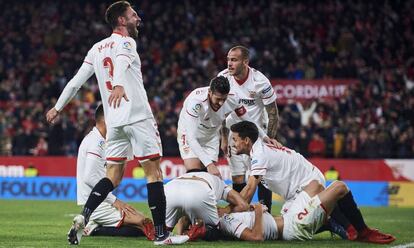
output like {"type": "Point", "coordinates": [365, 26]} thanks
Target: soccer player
{"type": "Point", "coordinates": [112, 217]}
{"type": "Point", "coordinates": [259, 98]}
{"type": "Point", "coordinates": [195, 195]}
{"type": "Point", "coordinates": [306, 215]}
{"type": "Point", "coordinates": [287, 173]}
{"type": "Point", "coordinates": [200, 121]}
{"type": "Point", "coordinates": [128, 116]}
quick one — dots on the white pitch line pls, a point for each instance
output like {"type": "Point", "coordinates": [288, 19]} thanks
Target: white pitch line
{"type": "Point", "coordinates": [404, 245]}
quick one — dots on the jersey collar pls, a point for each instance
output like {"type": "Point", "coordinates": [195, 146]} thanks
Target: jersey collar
{"type": "Point", "coordinates": [241, 82]}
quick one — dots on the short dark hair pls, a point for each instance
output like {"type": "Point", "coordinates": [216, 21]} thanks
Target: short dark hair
{"type": "Point", "coordinates": [114, 11]}
{"type": "Point", "coordinates": [99, 113]}
{"type": "Point", "coordinates": [244, 51]}
{"type": "Point", "coordinates": [220, 84]}
{"type": "Point", "coordinates": [246, 129]}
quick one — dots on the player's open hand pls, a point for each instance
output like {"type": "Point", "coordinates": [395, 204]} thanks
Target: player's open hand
{"type": "Point", "coordinates": [212, 169]}
{"type": "Point", "coordinates": [124, 207]}
{"type": "Point", "coordinates": [52, 116]}
{"type": "Point", "coordinates": [273, 142]}
{"type": "Point", "coordinates": [116, 96]}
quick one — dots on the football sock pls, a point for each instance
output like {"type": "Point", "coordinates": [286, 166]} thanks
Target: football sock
{"type": "Point", "coordinates": [97, 196]}
{"type": "Point", "coordinates": [265, 196]}
{"type": "Point", "coordinates": [351, 211]}
{"type": "Point", "coordinates": [238, 186]}
{"type": "Point", "coordinates": [157, 205]}
{"type": "Point", "coordinates": [339, 217]}
{"type": "Point", "coordinates": [124, 231]}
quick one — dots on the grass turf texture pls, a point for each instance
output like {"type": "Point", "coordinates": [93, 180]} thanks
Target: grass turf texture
{"type": "Point", "coordinates": [45, 224]}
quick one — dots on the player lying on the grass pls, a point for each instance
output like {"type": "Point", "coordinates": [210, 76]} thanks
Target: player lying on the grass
{"type": "Point", "coordinates": [287, 173]}
{"type": "Point", "coordinates": [201, 117]}
{"type": "Point", "coordinates": [305, 216]}
{"type": "Point", "coordinates": [112, 217]}
{"type": "Point", "coordinates": [195, 195]}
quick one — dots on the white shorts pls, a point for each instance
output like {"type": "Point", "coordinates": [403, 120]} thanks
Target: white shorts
{"type": "Point", "coordinates": [316, 175]}
{"type": "Point", "coordinates": [239, 164]}
{"type": "Point", "coordinates": [211, 147]}
{"type": "Point", "coordinates": [141, 138]}
{"type": "Point", "coordinates": [305, 216]}
{"type": "Point", "coordinates": [107, 215]}
{"type": "Point", "coordinates": [192, 198]}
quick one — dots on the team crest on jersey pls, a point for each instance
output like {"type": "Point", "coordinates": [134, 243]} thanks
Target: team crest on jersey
{"type": "Point", "coordinates": [127, 45]}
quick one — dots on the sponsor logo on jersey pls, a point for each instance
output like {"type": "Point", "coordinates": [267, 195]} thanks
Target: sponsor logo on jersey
{"type": "Point", "coordinates": [248, 102]}
{"type": "Point", "coordinates": [255, 161]}
{"type": "Point", "coordinates": [127, 45]}
{"type": "Point", "coordinates": [266, 90]}
{"type": "Point", "coordinates": [252, 94]}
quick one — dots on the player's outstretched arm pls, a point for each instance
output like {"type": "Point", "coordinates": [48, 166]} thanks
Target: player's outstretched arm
{"type": "Point", "coordinates": [70, 90]}
{"type": "Point", "coordinates": [248, 191]}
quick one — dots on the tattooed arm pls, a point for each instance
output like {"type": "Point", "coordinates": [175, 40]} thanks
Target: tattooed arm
{"type": "Point", "coordinates": [273, 125]}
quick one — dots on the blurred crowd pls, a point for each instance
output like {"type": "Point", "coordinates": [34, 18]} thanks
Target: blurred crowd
{"type": "Point", "coordinates": [183, 44]}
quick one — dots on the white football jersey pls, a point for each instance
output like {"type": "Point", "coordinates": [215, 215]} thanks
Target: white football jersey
{"type": "Point", "coordinates": [283, 170]}
{"type": "Point", "coordinates": [221, 190]}
{"type": "Point", "coordinates": [90, 167]}
{"type": "Point", "coordinates": [103, 57]}
{"type": "Point", "coordinates": [254, 93]}
{"type": "Point", "coordinates": [200, 123]}
{"type": "Point", "coordinates": [234, 224]}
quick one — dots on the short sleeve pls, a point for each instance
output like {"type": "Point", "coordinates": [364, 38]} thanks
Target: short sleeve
{"type": "Point", "coordinates": [193, 109]}
{"type": "Point", "coordinates": [265, 88]}
{"type": "Point", "coordinates": [231, 225]}
{"type": "Point", "coordinates": [258, 166]}
{"type": "Point", "coordinates": [127, 49]}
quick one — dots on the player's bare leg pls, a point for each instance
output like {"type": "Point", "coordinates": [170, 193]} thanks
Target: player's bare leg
{"type": "Point", "coordinates": [157, 203]}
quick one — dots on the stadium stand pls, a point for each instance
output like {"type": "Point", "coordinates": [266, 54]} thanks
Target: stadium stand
{"type": "Point", "coordinates": [183, 44]}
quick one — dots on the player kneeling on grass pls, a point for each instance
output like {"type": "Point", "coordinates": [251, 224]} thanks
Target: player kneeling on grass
{"type": "Point", "coordinates": [305, 216]}
{"type": "Point", "coordinates": [112, 217]}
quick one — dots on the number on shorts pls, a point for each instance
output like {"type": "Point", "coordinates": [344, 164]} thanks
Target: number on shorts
{"type": "Point", "coordinates": [107, 63]}
{"type": "Point", "coordinates": [303, 214]}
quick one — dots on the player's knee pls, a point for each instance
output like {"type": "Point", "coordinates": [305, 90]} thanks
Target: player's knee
{"type": "Point", "coordinates": [340, 187]}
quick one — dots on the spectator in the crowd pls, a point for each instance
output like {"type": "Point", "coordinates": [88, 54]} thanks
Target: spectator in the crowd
{"type": "Point", "coordinates": [185, 44]}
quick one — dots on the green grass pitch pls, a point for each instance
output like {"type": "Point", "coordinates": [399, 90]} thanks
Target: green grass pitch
{"type": "Point", "coordinates": [45, 224]}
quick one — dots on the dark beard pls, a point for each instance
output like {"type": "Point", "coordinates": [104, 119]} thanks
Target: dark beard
{"type": "Point", "coordinates": [132, 30]}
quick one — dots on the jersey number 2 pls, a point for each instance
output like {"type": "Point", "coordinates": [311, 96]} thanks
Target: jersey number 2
{"type": "Point", "coordinates": [303, 214]}
{"type": "Point", "coordinates": [107, 63]}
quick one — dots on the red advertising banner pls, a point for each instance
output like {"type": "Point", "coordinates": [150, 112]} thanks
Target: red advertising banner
{"type": "Point", "coordinates": [302, 90]}
{"type": "Point", "coordinates": [349, 169]}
